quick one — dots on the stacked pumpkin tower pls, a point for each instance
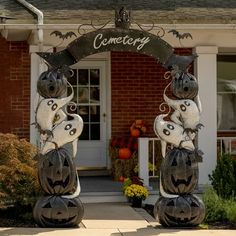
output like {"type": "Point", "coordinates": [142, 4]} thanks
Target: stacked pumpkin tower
{"type": "Point", "coordinates": [177, 206]}
{"type": "Point", "coordinates": [60, 206]}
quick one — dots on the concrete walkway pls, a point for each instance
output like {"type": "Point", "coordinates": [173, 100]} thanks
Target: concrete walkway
{"type": "Point", "coordinates": [114, 219]}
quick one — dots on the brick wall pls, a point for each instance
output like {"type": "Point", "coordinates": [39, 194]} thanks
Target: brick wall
{"type": "Point", "coordinates": [137, 87]}
{"type": "Point", "coordinates": [14, 88]}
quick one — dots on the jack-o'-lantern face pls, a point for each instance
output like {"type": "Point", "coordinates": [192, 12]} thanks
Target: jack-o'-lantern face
{"type": "Point", "coordinates": [57, 173]}
{"type": "Point", "coordinates": [51, 84]}
{"type": "Point", "coordinates": [179, 171]}
{"type": "Point", "coordinates": [185, 86]}
{"type": "Point", "coordinates": [55, 211]}
{"type": "Point", "coordinates": [182, 211]}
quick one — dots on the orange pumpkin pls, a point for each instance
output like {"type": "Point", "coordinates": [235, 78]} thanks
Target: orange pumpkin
{"type": "Point", "coordinates": [124, 153]}
{"type": "Point", "coordinates": [122, 179]}
{"type": "Point", "coordinates": [135, 132]}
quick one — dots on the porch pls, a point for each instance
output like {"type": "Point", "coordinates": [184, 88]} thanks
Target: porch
{"type": "Point", "coordinates": [148, 155]}
{"type": "Point", "coordinates": [105, 189]}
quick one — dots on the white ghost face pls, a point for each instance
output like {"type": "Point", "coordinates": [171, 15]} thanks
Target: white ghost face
{"type": "Point", "coordinates": [65, 132]}
{"type": "Point", "coordinates": [47, 109]}
{"type": "Point", "coordinates": [172, 133]}
{"type": "Point", "coordinates": [186, 112]}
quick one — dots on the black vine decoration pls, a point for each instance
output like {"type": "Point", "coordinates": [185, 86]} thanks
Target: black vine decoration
{"type": "Point", "coordinates": [82, 28]}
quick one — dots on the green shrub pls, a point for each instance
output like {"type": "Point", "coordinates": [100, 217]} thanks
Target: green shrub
{"type": "Point", "coordinates": [230, 208]}
{"type": "Point", "coordinates": [18, 171]}
{"type": "Point", "coordinates": [223, 177]}
{"type": "Point", "coordinates": [214, 205]}
{"type": "Point", "coordinates": [219, 209]}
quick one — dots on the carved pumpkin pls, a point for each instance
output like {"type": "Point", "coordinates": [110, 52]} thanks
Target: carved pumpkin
{"type": "Point", "coordinates": [124, 153]}
{"type": "Point", "coordinates": [134, 132]}
{"type": "Point", "coordinates": [51, 84]}
{"type": "Point", "coordinates": [57, 173]}
{"type": "Point", "coordinates": [182, 211]}
{"type": "Point", "coordinates": [179, 171]}
{"type": "Point", "coordinates": [55, 211]}
{"type": "Point", "coordinates": [184, 86]}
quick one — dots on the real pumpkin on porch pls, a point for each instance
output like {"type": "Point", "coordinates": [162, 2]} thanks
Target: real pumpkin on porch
{"type": "Point", "coordinates": [124, 153]}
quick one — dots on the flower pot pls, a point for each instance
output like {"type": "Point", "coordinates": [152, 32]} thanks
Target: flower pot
{"type": "Point", "coordinates": [136, 202]}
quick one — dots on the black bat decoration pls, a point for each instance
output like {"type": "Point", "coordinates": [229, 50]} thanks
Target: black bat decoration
{"type": "Point", "coordinates": [63, 36]}
{"type": "Point", "coordinates": [179, 35]}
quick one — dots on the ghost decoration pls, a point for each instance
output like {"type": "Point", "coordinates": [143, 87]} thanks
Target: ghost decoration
{"type": "Point", "coordinates": [59, 117]}
{"type": "Point", "coordinates": [170, 132]}
{"type": "Point", "coordinates": [65, 132]}
{"type": "Point", "coordinates": [186, 114]}
{"type": "Point", "coordinates": [46, 111]}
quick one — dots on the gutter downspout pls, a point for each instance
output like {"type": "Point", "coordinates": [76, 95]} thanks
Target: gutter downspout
{"type": "Point", "coordinates": [34, 137]}
{"type": "Point", "coordinates": [39, 14]}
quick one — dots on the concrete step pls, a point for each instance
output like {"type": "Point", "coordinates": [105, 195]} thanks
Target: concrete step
{"type": "Point", "coordinates": [99, 197]}
{"type": "Point", "coordinates": [95, 172]}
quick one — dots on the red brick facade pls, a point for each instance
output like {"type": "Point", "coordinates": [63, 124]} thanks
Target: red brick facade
{"type": "Point", "coordinates": [15, 88]}
{"type": "Point", "coordinates": [137, 86]}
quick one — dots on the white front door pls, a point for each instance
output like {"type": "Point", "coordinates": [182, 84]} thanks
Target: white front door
{"type": "Point", "coordinates": [89, 86]}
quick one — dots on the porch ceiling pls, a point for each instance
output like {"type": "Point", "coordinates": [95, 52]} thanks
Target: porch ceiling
{"type": "Point", "coordinates": [144, 11]}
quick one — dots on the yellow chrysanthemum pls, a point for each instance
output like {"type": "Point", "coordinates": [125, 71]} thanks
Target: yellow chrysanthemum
{"type": "Point", "coordinates": [137, 191]}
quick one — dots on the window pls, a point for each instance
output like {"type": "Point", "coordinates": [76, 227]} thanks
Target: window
{"type": "Point", "coordinates": [226, 92]}
{"type": "Point", "coordinates": [86, 85]}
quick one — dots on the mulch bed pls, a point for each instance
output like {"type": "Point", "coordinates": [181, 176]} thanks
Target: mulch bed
{"type": "Point", "coordinates": [17, 216]}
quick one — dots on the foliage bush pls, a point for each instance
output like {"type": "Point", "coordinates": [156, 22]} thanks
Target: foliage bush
{"type": "Point", "coordinates": [219, 209]}
{"type": "Point", "coordinates": [223, 178]}
{"type": "Point", "coordinates": [214, 207]}
{"type": "Point", "coordinates": [18, 172]}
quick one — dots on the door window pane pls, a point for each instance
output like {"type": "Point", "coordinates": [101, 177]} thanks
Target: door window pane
{"type": "Point", "coordinates": [84, 95]}
{"type": "Point", "coordinates": [83, 76]}
{"type": "Point", "coordinates": [86, 84]}
{"type": "Point", "coordinates": [94, 77]}
{"type": "Point", "coordinates": [84, 113]}
{"type": "Point", "coordinates": [94, 95]}
{"type": "Point", "coordinates": [95, 113]}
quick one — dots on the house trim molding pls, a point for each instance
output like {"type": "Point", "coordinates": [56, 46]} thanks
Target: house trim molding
{"type": "Point", "coordinates": [205, 70]}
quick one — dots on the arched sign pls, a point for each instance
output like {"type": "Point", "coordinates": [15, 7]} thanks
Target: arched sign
{"type": "Point", "coordinates": [117, 39]}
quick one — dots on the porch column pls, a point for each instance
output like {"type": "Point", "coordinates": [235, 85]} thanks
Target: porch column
{"type": "Point", "coordinates": [206, 73]}
{"type": "Point", "coordinates": [37, 67]}
{"type": "Point", "coordinates": [143, 160]}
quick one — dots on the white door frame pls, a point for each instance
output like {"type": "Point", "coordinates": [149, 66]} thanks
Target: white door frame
{"type": "Point", "coordinates": [93, 153]}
